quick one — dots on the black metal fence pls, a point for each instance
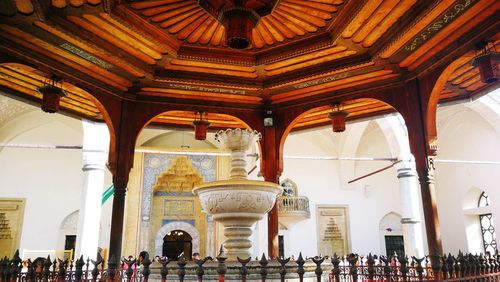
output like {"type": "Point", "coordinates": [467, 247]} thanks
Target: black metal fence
{"type": "Point", "coordinates": [464, 267]}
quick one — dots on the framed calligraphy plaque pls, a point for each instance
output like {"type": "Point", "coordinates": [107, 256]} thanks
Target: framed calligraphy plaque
{"type": "Point", "coordinates": [11, 221]}
{"type": "Point", "coordinates": [333, 230]}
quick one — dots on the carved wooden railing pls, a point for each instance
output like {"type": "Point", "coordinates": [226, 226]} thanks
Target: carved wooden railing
{"type": "Point", "coordinates": [464, 267]}
{"type": "Point", "coordinates": [293, 205]}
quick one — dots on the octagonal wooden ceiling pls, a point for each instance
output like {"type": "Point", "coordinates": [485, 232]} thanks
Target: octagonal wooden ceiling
{"type": "Point", "coordinates": [188, 21]}
{"type": "Point", "coordinates": [173, 50]}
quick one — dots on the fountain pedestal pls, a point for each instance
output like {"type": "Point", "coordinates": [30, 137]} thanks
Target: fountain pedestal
{"type": "Point", "coordinates": [237, 203]}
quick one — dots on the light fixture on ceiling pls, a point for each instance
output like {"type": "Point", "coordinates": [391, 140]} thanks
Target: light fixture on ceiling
{"type": "Point", "coordinates": [51, 94]}
{"type": "Point", "coordinates": [239, 23]}
{"type": "Point", "coordinates": [200, 126]}
{"type": "Point", "coordinates": [487, 62]}
{"type": "Point", "coordinates": [239, 18]}
{"type": "Point", "coordinates": [337, 117]}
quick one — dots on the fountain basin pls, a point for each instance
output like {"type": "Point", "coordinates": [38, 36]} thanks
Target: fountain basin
{"type": "Point", "coordinates": [237, 204]}
{"type": "Point", "coordinates": [237, 196]}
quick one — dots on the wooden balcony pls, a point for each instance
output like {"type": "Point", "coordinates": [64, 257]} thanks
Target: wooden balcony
{"type": "Point", "coordinates": [293, 209]}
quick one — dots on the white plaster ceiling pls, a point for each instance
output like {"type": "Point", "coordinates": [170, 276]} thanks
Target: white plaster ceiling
{"type": "Point", "coordinates": [10, 109]}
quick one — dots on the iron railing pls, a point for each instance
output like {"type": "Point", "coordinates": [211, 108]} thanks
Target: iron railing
{"type": "Point", "coordinates": [290, 204]}
{"type": "Point", "coordinates": [464, 267]}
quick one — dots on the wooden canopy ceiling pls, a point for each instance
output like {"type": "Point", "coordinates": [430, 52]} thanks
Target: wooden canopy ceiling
{"type": "Point", "coordinates": [174, 51]}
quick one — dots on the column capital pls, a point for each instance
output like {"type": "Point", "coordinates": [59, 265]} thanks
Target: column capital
{"type": "Point", "coordinates": [90, 167]}
{"type": "Point", "coordinates": [406, 220]}
{"type": "Point", "coordinates": [406, 172]}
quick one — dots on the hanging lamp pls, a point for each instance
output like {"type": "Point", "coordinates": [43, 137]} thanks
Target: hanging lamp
{"type": "Point", "coordinates": [51, 94]}
{"type": "Point", "coordinates": [200, 126]}
{"type": "Point", "coordinates": [337, 117]}
{"type": "Point", "coordinates": [487, 62]}
{"type": "Point", "coordinates": [239, 18]}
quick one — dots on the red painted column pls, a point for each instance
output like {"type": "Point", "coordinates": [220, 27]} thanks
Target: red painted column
{"type": "Point", "coordinates": [121, 161]}
{"type": "Point", "coordinates": [429, 205]}
{"type": "Point", "coordinates": [271, 173]}
{"type": "Point", "coordinates": [423, 147]}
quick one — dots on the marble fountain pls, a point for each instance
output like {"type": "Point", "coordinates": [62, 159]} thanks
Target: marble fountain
{"type": "Point", "coordinates": [238, 202]}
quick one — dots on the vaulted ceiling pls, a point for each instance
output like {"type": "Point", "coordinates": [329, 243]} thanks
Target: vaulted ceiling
{"type": "Point", "coordinates": [175, 51]}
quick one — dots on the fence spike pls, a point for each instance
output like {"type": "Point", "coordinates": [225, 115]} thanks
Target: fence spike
{"type": "Point", "coordinates": [243, 269]}
{"type": "Point", "coordinates": [164, 270]}
{"type": "Point", "coordinates": [146, 262]}
{"type": "Point", "coordinates": [496, 260]}
{"type": "Point", "coordinates": [403, 261]}
{"type": "Point", "coordinates": [79, 268]}
{"type": "Point", "coordinates": [61, 273]}
{"type": "Point", "coordinates": [15, 268]}
{"type": "Point", "coordinates": [46, 268]}
{"type": "Point", "coordinates": [95, 270]}
{"type": "Point", "coordinates": [493, 265]}
{"type": "Point", "coordinates": [482, 265]}
{"type": "Point", "coordinates": [282, 270]}
{"type": "Point", "coordinates": [263, 267]}
{"type": "Point", "coordinates": [112, 266]}
{"type": "Point", "coordinates": [129, 263]}
{"type": "Point", "coordinates": [182, 268]}
{"type": "Point", "coordinates": [300, 267]}
{"type": "Point", "coordinates": [199, 268]}
{"type": "Point", "coordinates": [420, 269]}
{"type": "Point", "coordinates": [221, 266]}
{"type": "Point", "coordinates": [318, 260]}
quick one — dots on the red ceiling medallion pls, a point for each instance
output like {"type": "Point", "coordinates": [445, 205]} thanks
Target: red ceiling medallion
{"type": "Point", "coordinates": [239, 17]}
{"type": "Point", "coordinates": [487, 63]}
{"type": "Point", "coordinates": [338, 117]}
{"type": "Point", "coordinates": [51, 94]}
{"type": "Point", "coordinates": [200, 127]}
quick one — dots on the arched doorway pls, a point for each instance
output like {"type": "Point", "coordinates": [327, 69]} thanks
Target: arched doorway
{"type": "Point", "coordinates": [177, 243]}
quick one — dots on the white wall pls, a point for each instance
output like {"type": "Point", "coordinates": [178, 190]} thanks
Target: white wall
{"type": "Point", "coordinates": [319, 180]}
{"type": "Point", "coordinates": [464, 135]}
{"type": "Point", "coordinates": [43, 177]}
{"type": "Point", "coordinates": [50, 180]}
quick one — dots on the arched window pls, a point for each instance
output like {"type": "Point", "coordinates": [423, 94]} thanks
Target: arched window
{"type": "Point", "coordinates": [487, 228]}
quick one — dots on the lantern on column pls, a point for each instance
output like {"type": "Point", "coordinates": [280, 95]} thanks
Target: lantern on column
{"type": "Point", "coordinates": [51, 94]}
{"type": "Point", "coordinates": [200, 126]}
{"type": "Point", "coordinates": [487, 62]}
{"type": "Point", "coordinates": [337, 117]}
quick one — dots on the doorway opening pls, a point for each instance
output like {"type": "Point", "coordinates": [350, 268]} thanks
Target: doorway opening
{"type": "Point", "coordinates": [177, 243]}
{"type": "Point", "coordinates": [394, 245]}
{"type": "Point", "coordinates": [69, 245]}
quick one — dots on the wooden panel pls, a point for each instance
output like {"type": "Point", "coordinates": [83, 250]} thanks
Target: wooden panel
{"type": "Point", "coordinates": [212, 65]}
{"type": "Point", "coordinates": [64, 57]}
{"type": "Point", "coordinates": [355, 109]}
{"type": "Point", "coordinates": [91, 49]}
{"type": "Point", "coordinates": [451, 33]}
{"type": "Point", "coordinates": [338, 84]}
{"type": "Point", "coordinates": [199, 95]}
{"type": "Point", "coordinates": [465, 79]}
{"type": "Point", "coordinates": [399, 11]}
{"type": "Point", "coordinates": [59, 3]}
{"type": "Point", "coordinates": [121, 43]}
{"type": "Point", "coordinates": [24, 6]}
{"type": "Point", "coordinates": [125, 35]}
{"type": "Point", "coordinates": [303, 58]}
{"type": "Point", "coordinates": [153, 47]}
{"type": "Point", "coordinates": [26, 80]}
{"type": "Point", "coordinates": [188, 21]}
{"type": "Point", "coordinates": [211, 70]}
{"type": "Point", "coordinates": [414, 30]}
{"type": "Point", "coordinates": [319, 57]}
{"type": "Point", "coordinates": [186, 118]}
